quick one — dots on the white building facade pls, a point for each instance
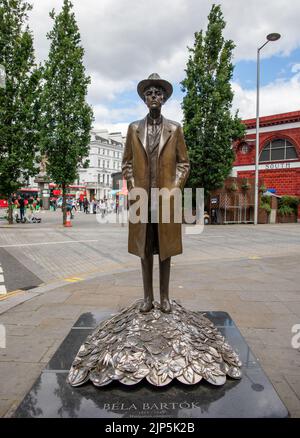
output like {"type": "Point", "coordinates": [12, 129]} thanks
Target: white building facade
{"type": "Point", "coordinates": [105, 158]}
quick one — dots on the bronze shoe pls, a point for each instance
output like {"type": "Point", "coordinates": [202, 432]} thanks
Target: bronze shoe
{"type": "Point", "coordinates": [165, 306]}
{"type": "Point", "coordinates": [146, 305]}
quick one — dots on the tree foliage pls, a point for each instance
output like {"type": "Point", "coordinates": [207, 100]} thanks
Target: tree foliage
{"type": "Point", "coordinates": [19, 100]}
{"type": "Point", "coordinates": [209, 126]}
{"type": "Point", "coordinates": [66, 117]}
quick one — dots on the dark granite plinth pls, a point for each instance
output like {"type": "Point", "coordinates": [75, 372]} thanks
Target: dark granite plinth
{"type": "Point", "coordinates": [251, 397]}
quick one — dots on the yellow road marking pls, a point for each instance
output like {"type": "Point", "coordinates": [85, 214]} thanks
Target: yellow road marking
{"type": "Point", "coordinates": [11, 294]}
{"type": "Point", "coordinates": [254, 258]}
{"type": "Point", "coordinates": [73, 279]}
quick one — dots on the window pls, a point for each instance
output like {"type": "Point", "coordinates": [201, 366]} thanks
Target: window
{"type": "Point", "coordinates": [107, 179]}
{"type": "Point", "coordinates": [244, 148]}
{"type": "Point", "coordinates": [278, 150]}
{"type": "Point", "coordinates": [99, 178]}
{"type": "Point", "coordinates": [99, 163]}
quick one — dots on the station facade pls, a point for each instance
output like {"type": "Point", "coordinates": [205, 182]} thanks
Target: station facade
{"type": "Point", "coordinates": [279, 148]}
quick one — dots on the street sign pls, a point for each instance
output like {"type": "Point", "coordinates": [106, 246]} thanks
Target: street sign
{"type": "Point", "coordinates": [2, 76]}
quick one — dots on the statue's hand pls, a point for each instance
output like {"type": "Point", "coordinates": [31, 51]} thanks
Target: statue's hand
{"type": "Point", "coordinates": [178, 183]}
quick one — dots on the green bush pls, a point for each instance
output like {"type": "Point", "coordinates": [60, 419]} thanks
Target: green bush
{"type": "Point", "coordinates": [288, 201]}
{"type": "Point", "coordinates": [266, 207]}
{"type": "Point", "coordinates": [285, 210]}
{"type": "Point", "coordinates": [265, 203]}
{"type": "Point", "coordinates": [265, 200]}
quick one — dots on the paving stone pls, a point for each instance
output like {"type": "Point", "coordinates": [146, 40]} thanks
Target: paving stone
{"type": "Point", "coordinates": [17, 378]}
{"type": "Point", "coordinates": [54, 327]}
{"type": "Point", "coordinates": [18, 330]}
{"type": "Point", "coordinates": [268, 337]}
{"type": "Point", "coordinates": [277, 307]}
{"type": "Point", "coordinates": [287, 395]}
{"type": "Point", "coordinates": [286, 295]}
{"type": "Point", "coordinates": [295, 413]}
{"type": "Point", "coordinates": [5, 404]}
{"type": "Point", "coordinates": [92, 299]}
{"type": "Point", "coordinates": [52, 297]}
{"type": "Point", "coordinates": [13, 408]}
{"type": "Point", "coordinates": [278, 359]}
{"type": "Point", "coordinates": [26, 318]}
{"type": "Point", "coordinates": [50, 351]}
{"type": "Point", "coordinates": [25, 348]}
{"type": "Point", "coordinates": [66, 311]}
{"type": "Point", "coordinates": [29, 306]}
{"type": "Point", "coordinates": [294, 382]}
{"type": "Point", "coordinates": [294, 308]}
{"type": "Point", "coordinates": [261, 295]}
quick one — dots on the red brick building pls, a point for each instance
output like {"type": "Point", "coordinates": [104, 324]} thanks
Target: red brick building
{"type": "Point", "coordinates": [279, 146]}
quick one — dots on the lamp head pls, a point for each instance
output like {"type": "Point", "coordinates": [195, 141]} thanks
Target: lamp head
{"type": "Point", "coordinates": [273, 36]}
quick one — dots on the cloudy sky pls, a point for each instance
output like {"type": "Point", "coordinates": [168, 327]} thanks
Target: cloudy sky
{"type": "Point", "coordinates": [125, 41]}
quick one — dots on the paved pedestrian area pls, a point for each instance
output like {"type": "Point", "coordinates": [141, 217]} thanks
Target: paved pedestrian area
{"type": "Point", "coordinates": [250, 272]}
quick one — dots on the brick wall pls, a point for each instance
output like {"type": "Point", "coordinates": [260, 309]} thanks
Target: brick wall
{"type": "Point", "coordinates": [285, 181]}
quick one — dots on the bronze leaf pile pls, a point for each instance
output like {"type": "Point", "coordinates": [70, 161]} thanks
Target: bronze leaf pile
{"type": "Point", "coordinates": [160, 347]}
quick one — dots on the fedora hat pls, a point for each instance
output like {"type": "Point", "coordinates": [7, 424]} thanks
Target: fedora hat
{"type": "Point", "coordinates": [154, 79]}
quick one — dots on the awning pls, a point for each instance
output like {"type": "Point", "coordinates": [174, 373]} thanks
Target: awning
{"type": "Point", "coordinates": [269, 193]}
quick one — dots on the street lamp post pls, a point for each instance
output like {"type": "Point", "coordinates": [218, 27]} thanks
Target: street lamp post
{"type": "Point", "coordinates": [270, 37]}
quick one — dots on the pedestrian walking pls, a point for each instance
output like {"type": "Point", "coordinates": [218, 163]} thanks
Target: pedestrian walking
{"type": "Point", "coordinates": [102, 208]}
{"type": "Point", "coordinates": [92, 206]}
{"type": "Point", "coordinates": [73, 202]}
{"type": "Point", "coordinates": [21, 204]}
{"type": "Point", "coordinates": [85, 206]}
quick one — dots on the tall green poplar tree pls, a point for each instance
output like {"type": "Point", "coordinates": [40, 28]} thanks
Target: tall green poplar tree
{"type": "Point", "coordinates": [66, 116]}
{"type": "Point", "coordinates": [19, 100]}
{"type": "Point", "coordinates": [209, 126]}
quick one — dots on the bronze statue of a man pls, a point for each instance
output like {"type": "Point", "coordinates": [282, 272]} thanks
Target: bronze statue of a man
{"type": "Point", "coordinates": [155, 156]}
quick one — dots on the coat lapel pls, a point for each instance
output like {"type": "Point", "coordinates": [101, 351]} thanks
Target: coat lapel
{"type": "Point", "coordinates": [142, 132]}
{"type": "Point", "coordinates": [165, 134]}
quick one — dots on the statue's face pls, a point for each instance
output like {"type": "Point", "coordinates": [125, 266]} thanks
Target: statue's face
{"type": "Point", "coordinates": [154, 97]}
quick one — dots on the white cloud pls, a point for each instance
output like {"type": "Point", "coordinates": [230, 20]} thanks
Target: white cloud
{"type": "Point", "coordinates": [248, 23]}
{"type": "Point", "coordinates": [126, 41]}
{"type": "Point", "coordinates": [172, 110]}
{"type": "Point", "coordinates": [295, 68]}
{"type": "Point", "coordinates": [106, 89]}
{"type": "Point", "coordinates": [277, 97]}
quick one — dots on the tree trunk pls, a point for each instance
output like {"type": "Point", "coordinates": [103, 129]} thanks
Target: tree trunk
{"type": "Point", "coordinates": [64, 204]}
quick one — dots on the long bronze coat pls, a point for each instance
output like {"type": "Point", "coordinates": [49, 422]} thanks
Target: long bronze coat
{"type": "Point", "coordinates": [172, 171]}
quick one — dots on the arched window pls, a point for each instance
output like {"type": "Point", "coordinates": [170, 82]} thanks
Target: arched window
{"type": "Point", "coordinates": [278, 150]}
